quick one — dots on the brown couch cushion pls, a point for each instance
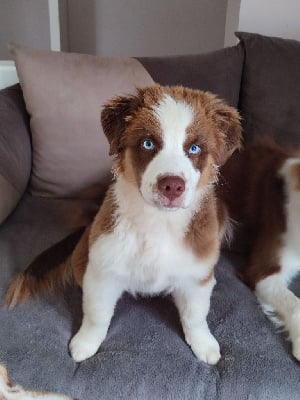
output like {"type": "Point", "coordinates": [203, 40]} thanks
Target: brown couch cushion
{"type": "Point", "coordinates": [64, 93]}
{"type": "Point", "coordinates": [15, 153]}
{"type": "Point", "coordinates": [270, 89]}
{"type": "Point", "coordinates": [218, 71]}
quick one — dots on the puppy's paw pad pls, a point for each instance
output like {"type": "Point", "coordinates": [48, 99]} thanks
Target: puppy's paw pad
{"type": "Point", "coordinates": [296, 348]}
{"type": "Point", "coordinates": [81, 350]}
{"type": "Point", "coordinates": [209, 355]}
{"type": "Point", "coordinates": [206, 348]}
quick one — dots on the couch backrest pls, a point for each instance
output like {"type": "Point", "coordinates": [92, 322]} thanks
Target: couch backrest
{"type": "Point", "coordinates": [270, 88]}
{"type": "Point", "coordinates": [261, 76]}
{"type": "Point", "coordinates": [15, 152]}
{"type": "Point", "coordinates": [218, 71]}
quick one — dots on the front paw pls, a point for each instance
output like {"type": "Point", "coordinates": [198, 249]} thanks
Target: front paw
{"type": "Point", "coordinates": [205, 347]}
{"type": "Point", "coordinates": [209, 354]}
{"type": "Point", "coordinates": [83, 346]}
{"type": "Point", "coordinates": [294, 331]}
{"type": "Point", "coordinates": [296, 348]}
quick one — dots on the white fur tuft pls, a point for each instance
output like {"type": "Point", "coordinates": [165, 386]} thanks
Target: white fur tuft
{"type": "Point", "coordinates": [174, 118]}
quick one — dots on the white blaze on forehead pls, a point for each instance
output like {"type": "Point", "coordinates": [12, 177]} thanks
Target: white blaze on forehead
{"type": "Point", "coordinates": [174, 118]}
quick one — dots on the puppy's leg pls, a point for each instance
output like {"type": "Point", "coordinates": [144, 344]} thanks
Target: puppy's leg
{"type": "Point", "coordinates": [100, 294]}
{"type": "Point", "coordinates": [273, 292]}
{"type": "Point", "coordinates": [193, 304]}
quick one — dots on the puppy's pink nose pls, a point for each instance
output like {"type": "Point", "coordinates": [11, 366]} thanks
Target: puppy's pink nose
{"type": "Point", "coordinates": [171, 186]}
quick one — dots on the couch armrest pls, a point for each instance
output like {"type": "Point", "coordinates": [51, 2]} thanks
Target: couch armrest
{"type": "Point", "coordinates": [15, 149]}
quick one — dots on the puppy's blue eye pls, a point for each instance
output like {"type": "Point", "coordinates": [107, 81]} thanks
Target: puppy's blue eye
{"type": "Point", "coordinates": [194, 149]}
{"type": "Point", "coordinates": [148, 145]}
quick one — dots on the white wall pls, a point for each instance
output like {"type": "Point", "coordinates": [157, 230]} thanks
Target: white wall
{"type": "Point", "coordinates": [115, 27]}
{"type": "Point", "coordinates": [25, 22]}
{"type": "Point", "coordinates": [271, 17]}
{"type": "Point", "coordinates": [145, 27]}
{"type": "Point", "coordinates": [32, 23]}
{"type": "Point", "coordinates": [8, 74]}
{"type": "Point", "coordinates": [232, 22]}
{"type": "Point", "coordinates": [111, 27]}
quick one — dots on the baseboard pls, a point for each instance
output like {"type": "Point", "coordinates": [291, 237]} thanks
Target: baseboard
{"type": "Point", "coordinates": [8, 74]}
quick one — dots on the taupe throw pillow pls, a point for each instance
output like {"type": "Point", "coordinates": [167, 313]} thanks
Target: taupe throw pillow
{"type": "Point", "coordinates": [64, 93]}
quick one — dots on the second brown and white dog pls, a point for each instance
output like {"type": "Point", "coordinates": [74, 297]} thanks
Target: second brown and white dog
{"type": "Point", "coordinates": [159, 227]}
{"type": "Point", "coordinates": [261, 188]}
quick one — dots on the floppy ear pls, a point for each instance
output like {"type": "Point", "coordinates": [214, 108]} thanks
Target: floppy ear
{"type": "Point", "coordinates": [115, 116]}
{"type": "Point", "coordinates": [229, 127]}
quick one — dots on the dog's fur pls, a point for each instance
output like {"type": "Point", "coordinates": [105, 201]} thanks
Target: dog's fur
{"type": "Point", "coordinates": [10, 391]}
{"type": "Point", "coordinates": [261, 187]}
{"type": "Point", "coordinates": [159, 227]}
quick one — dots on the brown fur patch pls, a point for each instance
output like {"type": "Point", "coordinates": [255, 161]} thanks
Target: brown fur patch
{"type": "Point", "coordinates": [223, 218]}
{"type": "Point", "coordinates": [209, 174]}
{"type": "Point", "coordinates": [122, 111]}
{"type": "Point", "coordinates": [134, 163]}
{"type": "Point", "coordinates": [199, 160]}
{"type": "Point", "coordinates": [16, 294]}
{"type": "Point", "coordinates": [296, 175]}
{"type": "Point", "coordinates": [80, 257]}
{"type": "Point", "coordinates": [25, 285]}
{"type": "Point", "coordinates": [255, 196]}
{"type": "Point", "coordinates": [105, 219]}
{"type": "Point", "coordinates": [4, 375]}
{"type": "Point", "coordinates": [114, 119]}
{"type": "Point", "coordinates": [202, 235]}
{"type": "Point", "coordinates": [47, 271]}
{"type": "Point", "coordinates": [216, 124]}
{"type": "Point", "coordinates": [137, 158]}
{"type": "Point", "coordinates": [103, 223]}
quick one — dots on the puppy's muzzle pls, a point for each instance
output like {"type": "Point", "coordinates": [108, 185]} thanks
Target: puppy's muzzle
{"type": "Point", "coordinates": [171, 187]}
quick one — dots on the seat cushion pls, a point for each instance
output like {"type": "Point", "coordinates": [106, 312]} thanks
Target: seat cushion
{"type": "Point", "coordinates": [144, 355]}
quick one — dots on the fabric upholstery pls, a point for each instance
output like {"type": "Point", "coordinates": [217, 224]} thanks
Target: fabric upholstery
{"type": "Point", "coordinates": [64, 93]}
{"type": "Point", "coordinates": [144, 355]}
{"type": "Point", "coordinates": [270, 94]}
{"type": "Point", "coordinates": [15, 152]}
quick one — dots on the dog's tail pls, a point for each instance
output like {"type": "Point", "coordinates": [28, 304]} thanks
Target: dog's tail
{"type": "Point", "coordinates": [50, 269]}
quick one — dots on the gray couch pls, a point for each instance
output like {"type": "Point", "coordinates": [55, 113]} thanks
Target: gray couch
{"type": "Point", "coordinates": [144, 355]}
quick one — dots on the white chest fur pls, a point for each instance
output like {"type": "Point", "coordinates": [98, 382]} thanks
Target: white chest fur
{"type": "Point", "coordinates": [290, 256]}
{"type": "Point", "coordinates": [147, 251]}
